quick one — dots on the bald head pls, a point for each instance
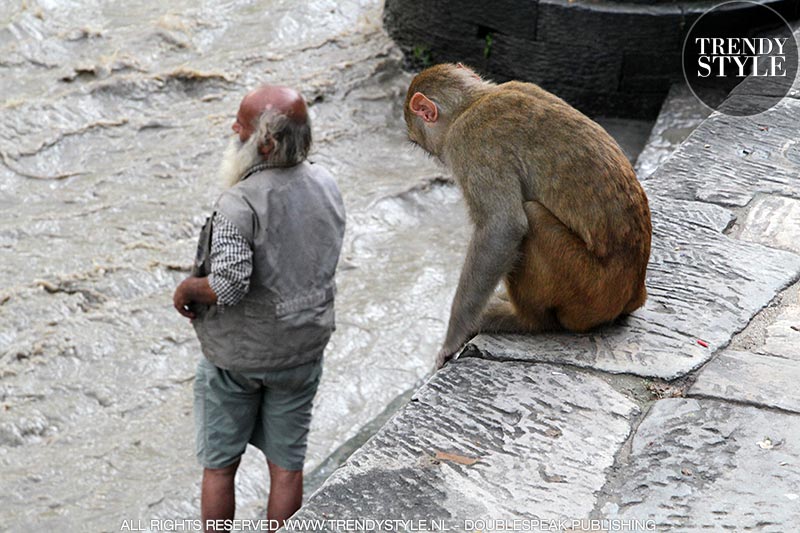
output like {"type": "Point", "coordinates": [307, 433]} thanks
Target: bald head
{"type": "Point", "coordinates": [282, 100]}
{"type": "Point", "coordinates": [278, 116]}
{"type": "Point", "coordinates": [269, 98]}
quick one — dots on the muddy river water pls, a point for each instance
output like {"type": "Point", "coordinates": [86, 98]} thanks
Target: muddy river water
{"type": "Point", "coordinates": [113, 117]}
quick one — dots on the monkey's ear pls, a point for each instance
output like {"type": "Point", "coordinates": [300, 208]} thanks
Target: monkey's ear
{"type": "Point", "coordinates": [424, 108]}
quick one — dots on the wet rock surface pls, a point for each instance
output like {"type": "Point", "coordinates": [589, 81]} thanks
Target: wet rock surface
{"type": "Point", "coordinates": [477, 436]}
{"type": "Point", "coordinates": [751, 378]}
{"type": "Point", "coordinates": [728, 160]}
{"type": "Point", "coordinates": [783, 334]}
{"type": "Point", "coordinates": [680, 114]}
{"type": "Point", "coordinates": [698, 465]}
{"type": "Point", "coordinates": [773, 220]}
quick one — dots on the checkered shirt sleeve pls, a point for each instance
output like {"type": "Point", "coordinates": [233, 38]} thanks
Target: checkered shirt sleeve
{"type": "Point", "coordinates": [231, 262]}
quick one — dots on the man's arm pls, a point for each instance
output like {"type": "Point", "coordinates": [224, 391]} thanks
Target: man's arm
{"type": "Point", "coordinates": [231, 267]}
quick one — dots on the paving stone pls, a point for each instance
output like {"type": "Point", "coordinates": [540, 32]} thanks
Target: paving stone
{"type": "Point", "coordinates": [680, 114]}
{"type": "Point", "coordinates": [526, 440]}
{"type": "Point", "coordinates": [704, 465]}
{"type": "Point", "coordinates": [702, 285]}
{"type": "Point", "coordinates": [768, 91]}
{"type": "Point", "coordinates": [747, 377]}
{"type": "Point", "coordinates": [774, 221]}
{"type": "Point", "coordinates": [728, 160]}
{"type": "Point", "coordinates": [783, 335]}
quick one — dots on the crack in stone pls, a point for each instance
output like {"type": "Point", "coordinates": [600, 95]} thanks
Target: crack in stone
{"type": "Point", "coordinates": [742, 403]}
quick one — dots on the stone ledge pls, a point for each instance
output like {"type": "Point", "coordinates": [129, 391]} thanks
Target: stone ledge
{"type": "Point", "coordinates": [476, 438]}
{"type": "Point", "coordinates": [728, 160]}
{"type": "Point", "coordinates": [702, 285]}
{"type": "Point", "coordinates": [751, 378]}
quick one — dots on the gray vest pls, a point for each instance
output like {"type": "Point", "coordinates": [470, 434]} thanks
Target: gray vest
{"type": "Point", "coordinates": [294, 220]}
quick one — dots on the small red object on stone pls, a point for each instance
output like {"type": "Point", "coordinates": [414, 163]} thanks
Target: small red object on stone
{"type": "Point", "coordinates": [702, 343]}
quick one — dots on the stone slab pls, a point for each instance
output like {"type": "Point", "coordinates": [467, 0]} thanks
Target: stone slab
{"type": "Point", "coordinates": [702, 285]}
{"type": "Point", "coordinates": [704, 465]}
{"type": "Point", "coordinates": [680, 114]}
{"type": "Point", "coordinates": [751, 378]}
{"type": "Point", "coordinates": [774, 221]}
{"type": "Point", "coordinates": [773, 88]}
{"type": "Point", "coordinates": [524, 441]}
{"type": "Point", "coordinates": [783, 335]}
{"type": "Point", "coordinates": [728, 160]}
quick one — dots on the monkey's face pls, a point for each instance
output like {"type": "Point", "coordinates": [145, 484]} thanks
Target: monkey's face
{"type": "Point", "coordinates": [416, 133]}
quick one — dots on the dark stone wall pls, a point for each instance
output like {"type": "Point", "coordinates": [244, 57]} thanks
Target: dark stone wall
{"type": "Point", "coordinates": [605, 58]}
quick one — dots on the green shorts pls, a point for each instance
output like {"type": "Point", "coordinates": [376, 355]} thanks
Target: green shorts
{"type": "Point", "coordinates": [271, 410]}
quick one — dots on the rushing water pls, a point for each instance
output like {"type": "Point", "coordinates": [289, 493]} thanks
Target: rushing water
{"type": "Point", "coordinates": [113, 117]}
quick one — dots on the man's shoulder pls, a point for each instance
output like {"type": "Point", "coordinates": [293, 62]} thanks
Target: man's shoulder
{"type": "Point", "coordinates": [322, 175]}
{"type": "Point", "coordinates": [255, 187]}
{"type": "Point", "coordinates": [317, 168]}
{"type": "Point", "coordinates": [234, 197]}
{"type": "Point", "coordinates": [233, 204]}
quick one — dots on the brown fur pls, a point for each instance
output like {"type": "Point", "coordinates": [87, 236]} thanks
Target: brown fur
{"type": "Point", "coordinates": [558, 211]}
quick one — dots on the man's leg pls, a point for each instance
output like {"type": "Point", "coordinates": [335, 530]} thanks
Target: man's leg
{"type": "Point", "coordinates": [282, 434]}
{"type": "Point", "coordinates": [285, 492]}
{"type": "Point", "coordinates": [226, 408]}
{"type": "Point", "coordinates": [218, 496]}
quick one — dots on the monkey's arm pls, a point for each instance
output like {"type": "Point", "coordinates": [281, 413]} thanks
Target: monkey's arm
{"type": "Point", "coordinates": [492, 253]}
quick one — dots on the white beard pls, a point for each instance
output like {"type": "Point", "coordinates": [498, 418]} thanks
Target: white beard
{"type": "Point", "coordinates": [238, 158]}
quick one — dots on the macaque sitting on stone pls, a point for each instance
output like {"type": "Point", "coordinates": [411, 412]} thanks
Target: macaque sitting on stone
{"type": "Point", "coordinates": [557, 210]}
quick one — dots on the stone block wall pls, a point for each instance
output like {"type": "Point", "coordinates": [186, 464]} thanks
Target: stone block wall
{"type": "Point", "coordinates": [605, 58]}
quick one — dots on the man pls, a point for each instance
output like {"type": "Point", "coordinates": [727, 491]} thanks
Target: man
{"type": "Point", "coordinates": [261, 301]}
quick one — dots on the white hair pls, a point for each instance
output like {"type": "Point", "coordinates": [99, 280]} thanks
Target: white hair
{"type": "Point", "coordinates": [290, 140]}
{"type": "Point", "coordinates": [238, 158]}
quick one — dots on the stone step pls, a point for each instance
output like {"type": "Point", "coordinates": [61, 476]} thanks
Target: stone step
{"type": "Point", "coordinates": [484, 440]}
{"type": "Point", "coordinates": [680, 114]}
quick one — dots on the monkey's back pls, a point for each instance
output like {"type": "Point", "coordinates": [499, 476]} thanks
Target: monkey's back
{"type": "Point", "coordinates": [563, 160]}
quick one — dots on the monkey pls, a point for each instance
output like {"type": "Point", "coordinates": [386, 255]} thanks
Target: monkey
{"type": "Point", "coordinates": [557, 211]}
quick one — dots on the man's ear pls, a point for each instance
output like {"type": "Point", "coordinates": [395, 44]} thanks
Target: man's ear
{"type": "Point", "coordinates": [424, 108]}
{"type": "Point", "coordinates": [265, 149]}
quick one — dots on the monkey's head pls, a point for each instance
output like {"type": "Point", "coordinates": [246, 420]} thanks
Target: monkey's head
{"type": "Point", "coordinates": [435, 98]}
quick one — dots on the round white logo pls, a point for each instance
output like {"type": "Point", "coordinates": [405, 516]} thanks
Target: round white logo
{"type": "Point", "coordinates": [743, 68]}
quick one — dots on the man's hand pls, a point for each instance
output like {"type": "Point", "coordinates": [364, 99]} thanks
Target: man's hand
{"type": "Point", "coordinates": [193, 290]}
{"type": "Point", "coordinates": [182, 301]}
